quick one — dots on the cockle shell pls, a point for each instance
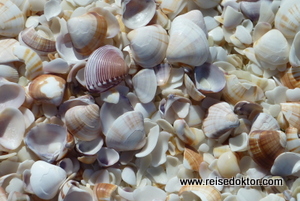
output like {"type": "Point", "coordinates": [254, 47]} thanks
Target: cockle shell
{"type": "Point", "coordinates": [46, 179]}
{"type": "Point", "coordinates": [287, 18]}
{"type": "Point", "coordinates": [290, 77]}
{"type": "Point", "coordinates": [192, 159]}
{"type": "Point", "coordinates": [137, 13]}
{"type": "Point", "coordinates": [87, 32]}
{"type": "Point", "coordinates": [73, 190]}
{"type": "Point", "coordinates": [37, 41]}
{"type": "Point", "coordinates": [248, 109]}
{"type": "Point", "coordinates": [47, 88]}
{"type": "Point", "coordinates": [9, 72]}
{"type": "Point", "coordinates": [188, 36]}
{"type": "Point", "coordinates": [127, 132]}
{"type": "Point", "coordinates": [6, 50]}
{"type": "Point", "coordinates": [265, 146]}
{"type": "Point", "coordinates": [12, 19]}
{"type": "Point", "coordinates": [209, 193]}
{"type": "Point", "coordinates": [293, 141]}
{"type": "Point", "coordinates": [291, 113]}
{"type": "Point", "coordinates": [264, 121]}
{"type": "Point", "coordinates": [47, 141]}
{"type": "Point", "coordinates": [104, 191]}
{"type": "Point", "coordinates": [213, 127]}
{"type": "Point", "coordinates": [83, 121]}
{"type": "Point", "coordinates": [151, 52]}
{"type": "Point", "coordinates": [105, 68]}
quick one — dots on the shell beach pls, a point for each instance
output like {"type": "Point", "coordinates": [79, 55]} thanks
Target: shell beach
{"type": "Point", "coordinates": [122, 100]}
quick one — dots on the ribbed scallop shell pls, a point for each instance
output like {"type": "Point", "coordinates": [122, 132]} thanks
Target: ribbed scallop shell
{"type": "Point", "coordinates": [83, 121]}
{"type": "Point", "coordinates": [220, 119]}
{"type": "Point", "coordinates": [291, 112]}
{"type": "Point", "coordinates": [87, 32]}
{"type": "Point", "coordinates": [291, 77]}
{"type": "Point", "coordinates": [127, 132]}
{"type": "Point", "coordinates": [105, 68]}
{"type": "Point", "coordinates": [9, 72]}
{"type": "Point", "coordinates": [11, 19]}
{"type": "Point", "coordinates": [287, 19]}
{"type": "Point", "coordinates": [293, 141]}
{"type": "Point", "coordinates": [265, 146]}
{"type": "Point", "coordinates": [36, 41]}
{"type": "Point", "coordinates": [151, 52]}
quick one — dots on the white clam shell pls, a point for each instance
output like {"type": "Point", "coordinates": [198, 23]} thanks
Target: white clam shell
{"type": "Point", "coordinates": [188, 36]}
{"type": "Point", "coordinates": [127, 132]}
{"type": "Point", "coordinates": [286, 164]}
{"type": "Point", "coordinates": [52, 9]}
{"type": "Point", "coordinates": [12, 128]}
{"type": "Point", "coordinates": [144, 83]}
{"type": "Point", "coordinates": [151, 52]}
{"type": "Point", "coordinates": [6, 50]}
{"type": "Point", "coordinates": [89, 148]}
{"type": "Point", "coordinates": [172, 8]}
{"type": "Point", "coordinates": [73, 190]}
{"type": "Point", "coordinates": [107, 157]}
{"type": "Point", "coordinates": [47, 141]}
{"type": "Point", "coordinates": [137, 13]}
{"type": "Point", "coordinates": [9, 72]}
{"type": "Point", "coordinates": [294, 56]}
{"type": "Point", "coordinates": [46, 179]}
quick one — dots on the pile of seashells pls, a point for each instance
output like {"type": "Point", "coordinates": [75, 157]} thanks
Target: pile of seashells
{"type": "Point", "coordinates": [120, 99]}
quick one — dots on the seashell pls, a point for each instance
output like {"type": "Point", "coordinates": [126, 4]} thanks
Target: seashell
{"type": "Point", "coordinates": [107, 157]}
{"type": "Point", "coordinates": [12, 19]}
{"type": "Point", "coordinates": [87, 32]}
{"type": "Point", "coordinates": [52, 9]}
{"type": "Point", "coordinates": [289, 77]}
{"type": "Point", "coordinates": [162, 72]}
{"type": "Point", "coordinates": [286, 164]}
{"type": "Point", "coordinates": [34, 65]}
{"type": "Point", "coordinates": [57, 65]}
{"type": "Point", "coordinates": [291, 113]}
{"type": "Point", "coordinates": [209, 78]}
{"type": "Point", "coordinates": [83, 121]}
{"type": "Point", "coordinates": [248, 109]}
{"type": "Point", "coordinates": [192, 90]}
{"type": "Point", "coordinates": [240, 89]}
{"type": "Point", "coordinates": [144, 84]}
{"type": "Point", "coordinates": [6, 50]}
{"type": "Point", "coordinates": [286, 19]}
{"type": "Point", "coordinates": [149, 193]}
{"type": "Point", "coordinates": [172, 8]}
{"type": "Point", "coordinates": [127, 132]}
{"type": "Point", "coordinates": [227, 165]}
{"type": "Point", "coordinates": [104, 191]}
{"type": "Point", "coordinates": [14, 94]}
{"type": "Point", "coordinates": [137, 13]}
{"type": "Point", "coordinates": [185, 34]}
{"type": "Point", "coordinates": [72, 189]}
{"type": "Point", "coordinates": [294, 56]}
{"type": "Point", "coordinates": [265, 146]}
{"type": "Point", "coordinates": [9, 72]}
{"type": "Point", "coordinates": [151, 52]}
{"type": "Point", "coordinates": [47, 141]}
{"type": "Point", "coordinates": [46, 179]}
{"type": "Point", "coordinates": [239, 143]}
{"type": "Point", "coordinates": [105, 68]}
{"type": "Point", "coordinates": [12, 128]}
{"type": "Point", "coordinates": [152, 138]}
{"type": "Point", "coordinates": [129, 176]}
{"type": "Point", "coordinates": [231, 17]}
{"type": "Point", "coordinates": [273, 54]}
{"type": "Point", "coordinates": [89, 148]}
{"type": "Point", "coordinates": [185, 133]}
{"type": "Point", "coordinates": [209, 193]}
{"type": "Point", "coordinates": [264, 121]}
{"type": "Point", "coordinates": [292, 140]}
{"type": "Point", "coordinates": [39, 41]}
{"type": "Point", "coordinates": [207, 4]}
{"type": "Point", "coordinates": [191, 159]}
{"type": "Point", "coordinates": [47, 88]}
{"type": "Point", "coordinates": [213, 127]}
{"type": "Point", "coordinates": [251, 9]}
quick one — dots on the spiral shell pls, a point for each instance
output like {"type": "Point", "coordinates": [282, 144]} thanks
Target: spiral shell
{"type": "Point", "coordinates": [105, 68]}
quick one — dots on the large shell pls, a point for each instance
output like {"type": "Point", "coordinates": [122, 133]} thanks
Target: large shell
{"type": "Point", "coordinates": [151, 52]}
{"type": "Point", "coordinates": [127, 132]}
{"type": "Point", "coordinates": [187, 44]}
{"type": "Point", "coordinates": [105, 68]}
{"type": "Point", "coordinates": [213, 127]}
{"type": "Point", "coordinates": [265, 146]}
{"type": "Point", "coordinates": [137, 13]}
{"type": "Point", "coordinates": [11, 19]}
{"type": "Point", "coordinates": [83, 121]}
{"type": "Point", "coordinates": [87, 32]}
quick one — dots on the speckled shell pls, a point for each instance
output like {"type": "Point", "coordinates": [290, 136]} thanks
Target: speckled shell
{"type": "Point", "coordinates": [265, 146]}
{"type": "Point", "coordinates": [105, 68]}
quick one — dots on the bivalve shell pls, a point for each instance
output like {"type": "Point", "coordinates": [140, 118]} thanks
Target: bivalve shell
{"type": "Point", "coordinates": [209, 193]}
{"type": "Point", "coordinates": [104, 191]}
{"type": "Point", "coordinates": [127, 132]}
{"type": "Point", "coordinates": [105, 68]}
{"type": "Point", "coordinates": [291, 113]}
{"type": "Point", "coordinates": [83, 121]}
{"type": "Point", "coordinates": [293, 141]}
{"type": "Point", "coordinates": [291, 77]}
{"type": "Point", "coordinates": [265, 146]}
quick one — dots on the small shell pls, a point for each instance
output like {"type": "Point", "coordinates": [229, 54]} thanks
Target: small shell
{"type": "Point", "coordinates": [137, 13]}
{"type": "Point", "coordinates": [6, 50]}
{"type": "Point", "coordinates": [47, 88]}
{"type": "Point", "coordinates": [83, 121]}
{"type": "Point", "coordinates": [9, 72]}
{"type": "Point", "coordinates": [87, 32]}
{"type": "Point", "coordinates": [89, 148]}
{"type": "Point", "coordinates": [293, 141]}
{"type": "Point", "coordinates": [264, 121]}
{"type": "Point", "coordinates": [162, 72]}
{"type": "Point", "coordinates": [104, 191]}
{"type": "Point", "coordinates": [71, 189]}
{"type": "Point", "coordinates": [107, 157]}
{"type": "Point", "coordinates": [291, 113]}
{"type": "Point", "coordinates": [265, 146]}
{"type": "Point", "coordinates": [286, 164]}
{"type": "Point", "coordinates": [105, 68]}
{"type": "Point", "coordinates": [247, 109]}
{"type": "Point", "coordinates": [191, 159]}
{"type": "Point", "coordinates": [213, 127]}
{"type": "Point", "coordinates": [290, 78]}
{"type": "Point", "coordinates": [192, 90]}
{"type": "Point", "coordinates": [227, 165]}
{"type": "Point", "coordinates": [151, 52]}
{"type": "Point", "coordinates": [11, 19]}
{"type": "Point", "coordinates": [47, 141]}
{"type": "Point", "coordinates": [46, 179]}
{"type": "Point", "coordinates": [127, 132]}
{"type": "Point", "coordinates": [294, 56]}
{"type": "Point", "coordinates": [172, 8]}
{"type": "Point", "coordinates": [209, 193]}
{"type": "Point", "coordinates": [209, 78]}
{"type": "Point", "coordinates": [144, 83]}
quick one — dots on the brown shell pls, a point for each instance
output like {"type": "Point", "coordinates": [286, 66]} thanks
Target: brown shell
{"type": "Point", "coordinates": [291, 112]}
{"type": "Point", "coordinates": [265, 146]}
{"type": "Point", "coordinates": [248, 109]}
{"type": "Point", "coordinates": [192, 158]}
{"type": "Point", "coordinates": [209, 192]}
{"type": "Point", "coordinates": [104, 191]}
{"type": "Point", "coordinates": [291, 77]}
{"type": "Point", "coordinates": [105, 69]}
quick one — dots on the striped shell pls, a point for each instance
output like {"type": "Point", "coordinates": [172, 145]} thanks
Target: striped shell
{"type": "Point", "coordinates": [291, 112]}
{"type": "Point", "coordinates": [105, 69]}
{"type": "Point", "coordinates": [291, 77]}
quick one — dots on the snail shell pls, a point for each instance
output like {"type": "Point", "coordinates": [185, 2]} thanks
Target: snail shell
{"type": "Point", "coordinates": [105, 68]}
